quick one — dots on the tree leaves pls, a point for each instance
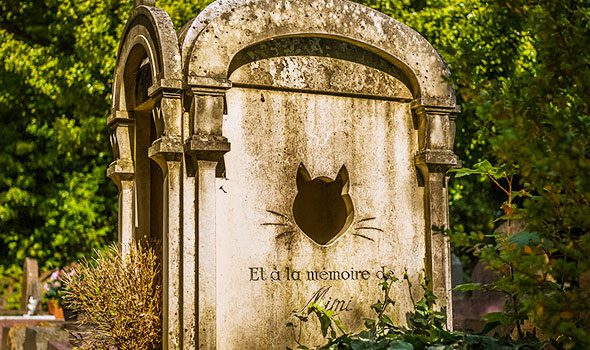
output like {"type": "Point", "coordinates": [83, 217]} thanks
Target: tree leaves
{"type": "Point", "coordinates": [468, 287]}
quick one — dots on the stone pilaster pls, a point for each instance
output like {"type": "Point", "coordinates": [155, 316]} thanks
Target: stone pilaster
{"type": "Point", "coordinates": [204, 147]}
{"type": "Point", "coordinates": [167, 152]}
{"type": "Point", "coordinates": [122, 172]}
{"type": "Point", "coordinates": [436, 135]}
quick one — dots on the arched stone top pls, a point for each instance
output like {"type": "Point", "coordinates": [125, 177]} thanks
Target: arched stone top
{"type": "Point", "coordinates": [222, 30]}
{"type": "Point", "coordinates": [150, 29]}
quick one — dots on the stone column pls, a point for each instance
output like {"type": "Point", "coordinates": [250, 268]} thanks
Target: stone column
{"type": "Point", "coordinates": [122, 172]}
{"type": "Point", "coordinates": [204, 148]}
{"type": "Point", "coordinates": [137, 3]}
{"type": "Point", "coordinates": [167, 152]}
{"type": "Point", "coordinates": [436, 135]}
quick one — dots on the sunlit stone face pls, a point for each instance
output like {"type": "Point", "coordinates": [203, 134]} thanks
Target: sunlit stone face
{"type": "Point", "coordinates": [320, 199]}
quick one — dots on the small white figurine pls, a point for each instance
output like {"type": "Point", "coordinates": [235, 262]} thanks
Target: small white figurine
{"type": "Point", "coordinates": [32, 306]}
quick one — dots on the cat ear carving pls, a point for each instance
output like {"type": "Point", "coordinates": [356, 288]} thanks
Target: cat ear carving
{"type": "Point", "coordinates": [302, 176]}
{"type": "Point", "coordinates": [343, 180]}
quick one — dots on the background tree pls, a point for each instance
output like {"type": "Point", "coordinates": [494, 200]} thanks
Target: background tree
{"type": "Point", "coordinates": [523, 80]}
{"type": "Point", "coordinates": [57, 59]}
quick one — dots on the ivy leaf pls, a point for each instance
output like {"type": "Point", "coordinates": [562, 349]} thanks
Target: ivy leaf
{"type": "Point", "coordinates": [501, 317]}
{"type": "Point", "coordinates": [325, 323]}
{"type": "Point", "coordinates": [523, 238]}
{"type": "Point", "coordinates": [400, 345]}
{"type": "Point", "coordinates": [386, 320]}
{"type": "Point", "coordinates": [362, 344]}
{"type": "Point", "coordinates": [468, 287]}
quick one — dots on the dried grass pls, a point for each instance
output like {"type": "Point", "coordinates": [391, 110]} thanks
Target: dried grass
{"type": "Point", "coordinates": [118, 298]}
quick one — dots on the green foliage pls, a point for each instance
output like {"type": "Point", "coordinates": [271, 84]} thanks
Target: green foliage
{"type": "Point", "coordinates": [523, 81]}
{"type": "Point", "coordinates": [426, 329]}
{"type": "Point", "coordinates": [10, 287]}
{"type": "Point", "coordinates": [55, 203]}
{"type": "Point", "coordinates": [541, 274]}
{"type": "Point", "coordinates": [56, 64]}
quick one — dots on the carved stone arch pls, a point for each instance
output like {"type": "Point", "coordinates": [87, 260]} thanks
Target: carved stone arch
{"type": "Point", "coordinates": [146, 89]}
{"type": "Point", "coordinates": [225, 28]}
{"type": "Point", "coordinates": [152, 30]}
{"type": "Point", "coordinates": [148, 36]}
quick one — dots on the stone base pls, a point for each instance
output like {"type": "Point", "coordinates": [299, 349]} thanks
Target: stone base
{"type": "Point", "coordinates": [59, 345]}
{"type": "Point", "coordinates": [28, 334]}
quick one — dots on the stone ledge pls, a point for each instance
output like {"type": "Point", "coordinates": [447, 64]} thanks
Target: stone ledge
{"type": "Point", "coordinates": [207, 147]}
{"type": "Point", "coordinates": [121, 168]}
{"type": "Point", "coordinates": [165, 145]}
{"type": "Point", "coordinates": [171, 85]}
{"type": "Point", "coordinates": [36, 338]}
{"type": "Point", "coordinates": [119, 117]}
{"type": "Point", "coordinates": [59, 345]}
{"type": "Point", "coordinates": [443, 158]}
{"type": "Point", "coordinates": [198, 83]}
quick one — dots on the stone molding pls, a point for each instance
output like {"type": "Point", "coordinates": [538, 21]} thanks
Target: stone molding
{"type": "Point", "coordinates": [211, 40]}
{"type": "Point", "coordinates": [205, 140]}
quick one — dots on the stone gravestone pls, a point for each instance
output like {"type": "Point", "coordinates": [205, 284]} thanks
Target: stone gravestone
{"type": "Point", "coordinates": [31, 286]}
{"type": "Point", "coordinates": [301, 150]}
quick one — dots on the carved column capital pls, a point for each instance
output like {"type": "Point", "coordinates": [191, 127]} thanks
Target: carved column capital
{"type": "Point", "coordinates": [205, 140]}
{"type": "Point", "coordinates": [166, 95]}
{"type": "Point", "coordinates": [164, 150]}
{"type": "Point", "coordinates": [207, 147]}
{"type": "Point", "coordinates": [121, 170]}
{"type": "Point", "coordinates": [436, 137]}
{"type": "Point", "coordinates": [121, 134]}
{"type": "Point", "coordinates": [434, 161]}
{"type": "Point", "coordinates": [165, 88]}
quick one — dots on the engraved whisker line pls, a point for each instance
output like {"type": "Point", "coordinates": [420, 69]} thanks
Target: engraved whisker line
{"type": "Point", "coordinates": [363, 236]}
{"type": "Point", "coordinates": [274, 224]}
{"type": "Point", "coordinates": [284, 233]}
{"type": "Point", "coordinates": [368, 228]}
{"type": "Point", "coordinates": [279, 214]}
{"type": "Point", "coordinates": [365, 219]}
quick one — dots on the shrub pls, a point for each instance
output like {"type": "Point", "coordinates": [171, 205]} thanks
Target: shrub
{"type": "Point", "coordinates": [118, 297]}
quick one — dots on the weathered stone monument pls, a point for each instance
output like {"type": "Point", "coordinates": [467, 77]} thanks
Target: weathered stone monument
{"type": "Point", "coordinates": [282, 152]}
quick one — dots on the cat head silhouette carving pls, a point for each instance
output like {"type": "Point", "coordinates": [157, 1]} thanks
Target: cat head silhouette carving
{"type": "Point", "coordinates": [323, 208]}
